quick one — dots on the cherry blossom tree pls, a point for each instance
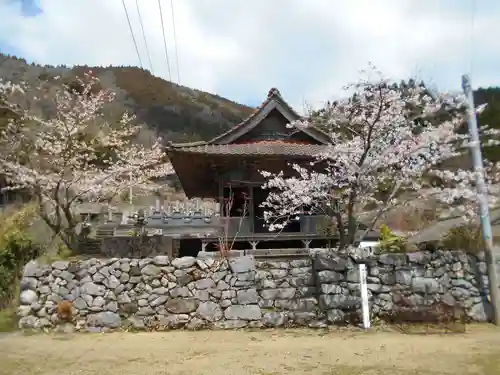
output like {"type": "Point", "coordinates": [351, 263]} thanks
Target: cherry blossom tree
{"type": "Point", "coordinates": [386, 140]}
{"type": "Point", "coordinates": [73, 155]}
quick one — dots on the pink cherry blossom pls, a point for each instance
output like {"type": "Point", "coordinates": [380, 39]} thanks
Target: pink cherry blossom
{"type": "Point", "coordinates": [74, 155]}
{"type": "Point", "coordinates": [385, 140]}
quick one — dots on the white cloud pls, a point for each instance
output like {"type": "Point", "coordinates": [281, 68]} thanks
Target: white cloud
{"type": "Point", "coordinates": [308, 49]}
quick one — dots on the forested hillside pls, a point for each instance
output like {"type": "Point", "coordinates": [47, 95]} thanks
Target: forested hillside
{"type": "Point", "coordinates": [491, 115]}
{"type": "Point", "coordinates": [177, 113]}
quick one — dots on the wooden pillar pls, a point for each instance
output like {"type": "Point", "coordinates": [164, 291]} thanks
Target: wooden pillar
{"type": "Point", "coordinates": [251, 211]}
{"type": "Point", "coordinates": [221, 197]}
{"type": "Point", "coordinates": [170, 249]}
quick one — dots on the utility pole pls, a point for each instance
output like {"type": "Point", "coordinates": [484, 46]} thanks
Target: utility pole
{"type": "Point", "coordinates": [482, 194]}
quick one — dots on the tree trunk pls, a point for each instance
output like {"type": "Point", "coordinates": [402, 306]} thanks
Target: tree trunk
{"type": "Point", "coordinates": [341, 230]}
{"type": "Point", "coordinates": [351, 220]}
{"type": "Point", "coordinates": [334, 213]}
{"type": "Point", "coordinates": [67, 235]}
{"type": "Point", "coordinates": [70, 239]}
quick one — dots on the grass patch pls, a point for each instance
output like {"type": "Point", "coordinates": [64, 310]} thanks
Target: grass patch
{"type": "Point", "coordinates": [467, 237]}
{"type": "Point", "coordinates": [488, 364]}
{"type": "Point", "coordinates": [60, 252]}
{"type": "Point", "coordinates": [267, 352]}
{"type": "Point", "coordinates": [8, 320]}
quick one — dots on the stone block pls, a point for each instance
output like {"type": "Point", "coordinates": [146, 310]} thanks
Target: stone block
{"type": "Point", "coordinates": [330, 262]}
{"type": "Point", "coordinates": [243, 312]}
{"type": "Point", "coordinates": [242, 264]}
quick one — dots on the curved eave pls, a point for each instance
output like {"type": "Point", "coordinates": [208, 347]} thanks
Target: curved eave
{"type": "Point", "coordinates": [264, 148]}
{"type": "Point", "coordinates": [194, 173]}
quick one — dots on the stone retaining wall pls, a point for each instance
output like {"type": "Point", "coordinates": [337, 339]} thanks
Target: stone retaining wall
{"type": "Point", "coordinates": [196, 293]}
{"type": "Point", "coordinates": [421, 278]}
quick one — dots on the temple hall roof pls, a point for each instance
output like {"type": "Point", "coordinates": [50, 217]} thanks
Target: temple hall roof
{"type": "Point", "coordinates": [262, 134]}
{"type": "Point", "coordinates": [274, 101]}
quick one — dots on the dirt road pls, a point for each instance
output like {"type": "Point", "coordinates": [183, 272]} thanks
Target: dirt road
{"type": "Point", "coordinates": [253, 352]}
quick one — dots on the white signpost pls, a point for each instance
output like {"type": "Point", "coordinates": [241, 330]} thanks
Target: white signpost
{"type": "Point", "coordinates": [124, 217]}
{"type": "Point", "coordinates": [364, 296]}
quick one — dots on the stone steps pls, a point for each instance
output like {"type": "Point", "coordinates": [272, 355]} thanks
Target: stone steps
{"type": "Point", "coordinates": [104, 232]}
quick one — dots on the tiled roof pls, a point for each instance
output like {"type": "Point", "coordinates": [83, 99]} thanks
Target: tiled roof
{"type": "Point", "coordinates": [258, 148]}
{"type": "Point", "coordinates": [272, 96]}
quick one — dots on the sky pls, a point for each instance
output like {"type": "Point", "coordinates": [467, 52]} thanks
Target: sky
{"type": "Point", "coordinates": [308, 49]}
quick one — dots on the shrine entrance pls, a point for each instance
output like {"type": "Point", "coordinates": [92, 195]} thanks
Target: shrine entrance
{"type": "Point", "coordinates": [259, 196]}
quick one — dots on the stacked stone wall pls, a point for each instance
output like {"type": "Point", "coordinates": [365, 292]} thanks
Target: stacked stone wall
{"type": "Point", "coordinates": [195, 293]}
{"type": "Point", "coordinates": [418, 279]}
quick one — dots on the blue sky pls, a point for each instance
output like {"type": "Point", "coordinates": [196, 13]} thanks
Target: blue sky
{"type": "Point", "coordinates": [308, 49]}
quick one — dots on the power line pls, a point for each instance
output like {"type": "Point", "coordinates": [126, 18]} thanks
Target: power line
{"type": "Point", "coordinates": [144, 35]}
{"type": "Point", "coordinates": [164, 41]}
{"type": "Point", "coordinates": [132, 33]}
{"type": "Point", "coordinates": [175, 43]}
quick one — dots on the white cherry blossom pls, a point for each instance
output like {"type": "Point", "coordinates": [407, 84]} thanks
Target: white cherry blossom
{"type": "Point", "coordinates": [74, 155]}
{"type": "Point", "coordinates": [386, 140]}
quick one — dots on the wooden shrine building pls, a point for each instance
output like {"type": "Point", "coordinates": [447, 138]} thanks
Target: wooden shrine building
{"type": "Point", "coordinates": [228, 166]}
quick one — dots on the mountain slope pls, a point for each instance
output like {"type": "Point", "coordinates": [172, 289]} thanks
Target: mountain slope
{"type": "Point", "coordinates": [175, 112]}
{"type": "Point", "coordinates": [179, 113]}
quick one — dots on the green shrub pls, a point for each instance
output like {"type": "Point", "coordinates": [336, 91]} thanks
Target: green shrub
{"type": "Point", "coordinates": [16, 249]}
{"type": "Point", "coordinates": [391, 243]}
{"type": "Point", "coordinates": [8, 319]}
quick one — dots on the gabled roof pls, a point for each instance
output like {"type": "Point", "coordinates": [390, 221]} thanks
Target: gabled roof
{"type": "Point", "coordinates": [273, 101]}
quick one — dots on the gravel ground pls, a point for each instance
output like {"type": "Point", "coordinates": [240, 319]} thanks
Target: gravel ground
{"type": "Point", "coordinates": [253, 352]}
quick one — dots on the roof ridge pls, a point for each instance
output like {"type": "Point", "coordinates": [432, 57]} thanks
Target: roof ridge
{"type": "Point", "coordinates": [273, 93]}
